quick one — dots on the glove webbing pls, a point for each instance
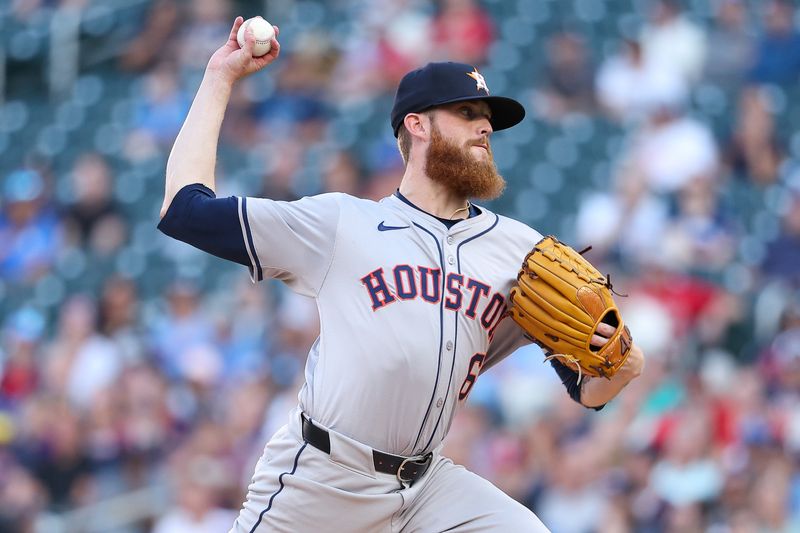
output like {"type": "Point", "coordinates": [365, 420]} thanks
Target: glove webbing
{"type": "Point", "coordinates": [569, 267]}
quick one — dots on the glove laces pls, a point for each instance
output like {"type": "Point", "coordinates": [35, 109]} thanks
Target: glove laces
{"type": "Point", "coordinates": [570, 359]}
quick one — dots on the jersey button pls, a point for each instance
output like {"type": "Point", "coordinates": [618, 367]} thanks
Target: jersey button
{"type": "Point", "coordinates": [439, 402]}
{"type": "Point", "coordinates": [451, 259]}
{"type": "Point", "coordinates": [450, 240]}
{"type": "Point", "coordinates": [449, 345]}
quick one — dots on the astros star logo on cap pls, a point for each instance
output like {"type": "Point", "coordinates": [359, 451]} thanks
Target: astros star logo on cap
{"type": "Point", "coordinates": [477, 76]}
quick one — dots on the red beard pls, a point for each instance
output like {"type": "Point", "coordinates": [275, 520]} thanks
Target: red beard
{"type": "Point", "coordinates": [460, 172]}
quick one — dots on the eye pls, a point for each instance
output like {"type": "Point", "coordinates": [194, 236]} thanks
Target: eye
{"type": "Point", "coordinates": [471, 113]}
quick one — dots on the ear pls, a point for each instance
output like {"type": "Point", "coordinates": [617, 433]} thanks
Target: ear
{"type": "Point", "coordinates": [418, 125]}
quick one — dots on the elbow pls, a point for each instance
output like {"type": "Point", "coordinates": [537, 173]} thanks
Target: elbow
{"type": "Point", "coordinates": [170, 222]}
{"type": "Point", "coordinates": [169, 196]}
{"type": "Point", "coordinates": [164, 209]}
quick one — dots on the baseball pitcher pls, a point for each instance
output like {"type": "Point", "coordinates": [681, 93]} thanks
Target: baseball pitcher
{"type": "Point", "coordinates": [414, 294]}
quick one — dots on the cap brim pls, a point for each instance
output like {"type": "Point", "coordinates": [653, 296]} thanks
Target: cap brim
{"type": "Point", "coordinates": [506, 112]}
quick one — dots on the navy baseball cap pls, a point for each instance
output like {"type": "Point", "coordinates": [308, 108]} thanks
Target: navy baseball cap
{"type": "Point", "coordinates": [442, 83]}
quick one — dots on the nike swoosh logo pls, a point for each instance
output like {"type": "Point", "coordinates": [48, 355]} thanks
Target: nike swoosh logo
{"type": "Point", "coordinates": [384, 227]}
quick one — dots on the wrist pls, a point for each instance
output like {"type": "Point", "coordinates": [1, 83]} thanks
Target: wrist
{"type": "Point", "coordinates": [628, 373]}
{"type": "Point", "coordinates": [218, 80]}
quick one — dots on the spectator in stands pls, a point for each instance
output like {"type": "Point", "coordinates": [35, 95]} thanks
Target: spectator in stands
{"type": "Point", "coordinates": [777, 57]}
{"type": "Point", "coordinates": [672, 149]}
{"type": "Point", "coordinates": [160, 105]}
{"type": "Point", "coordinates": [462, 31]}
{"type": "Point", "coordinates": [297, 329]}
{"type": "Point", "coordinates": [773, 496]}
{"type": "Point", "coordinates": [92, 218]}
{"type": "Point", "coordinates": [754, 151]}
{"type": "Point", "coordinates": [731, 45]}
{"type": "Point", "coordinates": [184, 338]}
{"type": "Point", "coordinates": [629, 86]}
{"type": "Point", "coordinates": [104, 444]}
{"type": "Point", "coordinates": [151, 413]}
{"type": "Point", "coordinates": [22, 499]}
{"type": "Point", "coordinates": [20, 355]}
{"type": "Point", "coordinates": [672, 42]}
{"type": "Point", "coordinates": [384, 174]}
{"type": "Point", "coordinates": [197, 486]}
{"type": "Point", "coordinates": [687, 473]}
{"type": "Point", "coordinates": [640, 508]}
{"type": "Point", "coordinates": [29, 228]}
{"type": "Point", "coordinates": [681, 301]}
{"type": "Point", "coordinates": [118, 318]}
{"type": "Point", "coordinates": [201, 32]}
{"type": "Point", "coordinates": [751, 422]}
{"type": "Point", "coordinates": [783, 253]}
{"type": "Point", "coordinates": [247, 331]}
{"type": "Point", "coordinates": [667, 154]}
{"type": "Point", "coordinates": [80, 361]}
{"type": "Point", "coordinates": [158, 33]}
{"type": "Point", "coordinates": [62, 465]}
{"type": "Point", "coordinates": [567, 80]}
{"type": "Point", "coordinates": [393, 36]}
{"type": "Point", "coordinates": [505, 455]}
{"type": "Point", "coordinates": [280, 182]}
{"type": "Point", "coordinates": [625, 223]}
{"type": "Point", "coordinates": [341, 173]}
{"type": "Point", "coordinates": [700, 236]}
{"type": "Point", "coordinates": [574, 501]}
{"type": "Point", "coordinates": [242, 416]}
{"type": "Point", "coordinates": [297, 108]}
{"type": "Point", "coordinates": [400, 35]}
{"type": "Point", "coordinates": [780, 360]}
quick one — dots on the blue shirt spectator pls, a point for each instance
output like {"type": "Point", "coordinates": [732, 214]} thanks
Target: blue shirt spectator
{"type": "Point", "coordinates": [29, 230]}
{"type": "Point", "coordinates": [778, 55]}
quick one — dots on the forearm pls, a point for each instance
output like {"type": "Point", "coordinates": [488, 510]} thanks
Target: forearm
{"type": "Point", "coordinates": [194, 154]}
{"type": "Point", "coordinates": [599, 391]}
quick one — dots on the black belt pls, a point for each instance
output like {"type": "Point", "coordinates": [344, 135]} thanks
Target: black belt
{"type": "Point", "coordinates": [407, 469]}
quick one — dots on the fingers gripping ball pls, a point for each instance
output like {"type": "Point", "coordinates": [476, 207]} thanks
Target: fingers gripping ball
{"type": "Point", "coordinates": [263, 33]}
{"type": "Point", "coordinates": [559, 299]}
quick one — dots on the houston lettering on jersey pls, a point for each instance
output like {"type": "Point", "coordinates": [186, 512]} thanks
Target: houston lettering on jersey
{"type": "Point", "coordinates": [425, 282]}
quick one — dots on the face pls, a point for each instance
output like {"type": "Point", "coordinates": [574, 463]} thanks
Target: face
{"type": "Point", "coordinates": [459, 155]}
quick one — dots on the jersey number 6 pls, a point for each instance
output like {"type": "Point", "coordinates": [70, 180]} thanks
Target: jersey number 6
{"type": "Point", "coordinates": [475, 365]}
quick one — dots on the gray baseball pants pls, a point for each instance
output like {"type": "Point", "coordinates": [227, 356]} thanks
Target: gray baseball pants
{"type": "Point", "coordinates": [297, 488]}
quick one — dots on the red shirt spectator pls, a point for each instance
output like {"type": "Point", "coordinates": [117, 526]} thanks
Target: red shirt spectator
{"type": "Point", "coordinates": [463, 31]}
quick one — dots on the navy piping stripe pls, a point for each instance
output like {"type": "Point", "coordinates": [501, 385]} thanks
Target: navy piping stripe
{"type": "Point", "coordinates": [259, 274]}
{"type": "Point", "coordinates": [455, 335]}
{"type": "Point", "coordinates": [441, 332]}
{"type": "Point", "coordinates": [280, 480]}
{"type": "Point", "coordinates": [484, 232]}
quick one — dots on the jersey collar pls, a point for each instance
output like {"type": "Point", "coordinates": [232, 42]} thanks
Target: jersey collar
{"type": "Point", "coordinates": [474, 211]}
{"type": "Point", "coordinates": [475, 222]}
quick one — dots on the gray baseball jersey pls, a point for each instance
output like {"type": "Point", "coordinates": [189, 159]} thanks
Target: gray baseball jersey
{"type": "Point", "coordinates": [409, 309]}
{"type": "Point", "coordinates": [411, 312]}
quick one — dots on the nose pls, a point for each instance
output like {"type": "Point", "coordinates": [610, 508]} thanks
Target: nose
{"type": "Point", "coordinates": [485, 128]}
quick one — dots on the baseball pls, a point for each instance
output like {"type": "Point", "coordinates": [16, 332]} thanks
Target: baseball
{"type": "Point", "coordinates": [262, 31]}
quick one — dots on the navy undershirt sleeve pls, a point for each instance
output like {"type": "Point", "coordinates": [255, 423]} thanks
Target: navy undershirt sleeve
{"type": "Point", "coordinates": [570, 380]}
{"type": "Point", "coordinates": [197, 217]}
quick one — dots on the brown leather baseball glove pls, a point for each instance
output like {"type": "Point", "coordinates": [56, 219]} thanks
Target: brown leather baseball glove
{"type": "Point", "coordinates": [559, 300]}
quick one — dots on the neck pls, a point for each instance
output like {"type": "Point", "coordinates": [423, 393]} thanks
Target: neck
{"type": "Point", "coordinates": [432, 197]}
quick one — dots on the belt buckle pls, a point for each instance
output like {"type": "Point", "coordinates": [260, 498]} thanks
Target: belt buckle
{"type": "Point", "coordinates": [423, 461]}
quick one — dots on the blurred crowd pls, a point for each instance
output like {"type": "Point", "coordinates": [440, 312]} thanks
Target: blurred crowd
{"type": "Point", "coordinates": [122, 392]}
